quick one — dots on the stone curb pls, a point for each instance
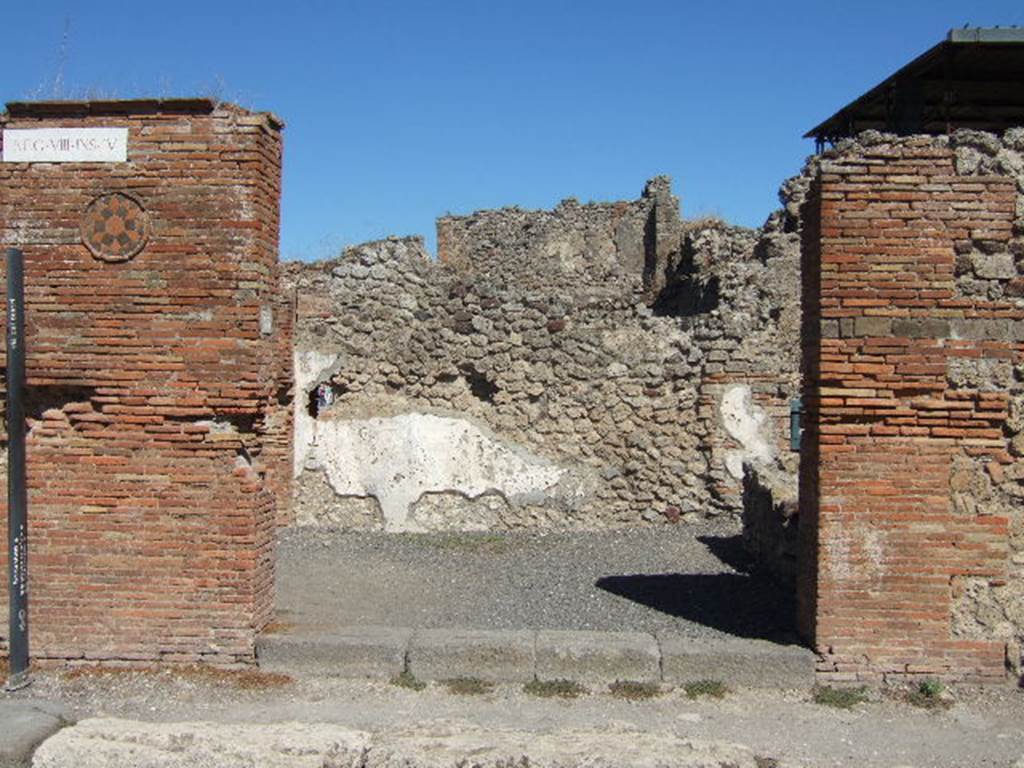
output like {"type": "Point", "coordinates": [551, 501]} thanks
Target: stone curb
{"type": "Point", "coordinates": [24, 725]}
{"type": "Point", "coordinates": [519, 656]}
{"type": "Point", "coordinates": [501, 656]}
{"type": "Point", "coordinates": [598, 656]}
{"type": "Point", "coordinates": [351, 652]}
{"type": "Point", "coordinates": [736, 662]}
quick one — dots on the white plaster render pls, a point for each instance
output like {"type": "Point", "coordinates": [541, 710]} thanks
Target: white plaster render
{"type": "Point", "coordinates": [398, 459]}
{"type": "Point", "coordinates": [309, 368]}
{"type": "Point", "coordinates": [857, 555]}
{"type": "Point", "coordinates": [748, 424]}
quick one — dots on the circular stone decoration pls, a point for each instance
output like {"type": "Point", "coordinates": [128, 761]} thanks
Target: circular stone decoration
{"type": "Point", "coordinates": [115, 227]}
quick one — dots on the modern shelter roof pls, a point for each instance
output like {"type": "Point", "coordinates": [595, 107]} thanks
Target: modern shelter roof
{"type": "Point", "coordinates": [972, 79]}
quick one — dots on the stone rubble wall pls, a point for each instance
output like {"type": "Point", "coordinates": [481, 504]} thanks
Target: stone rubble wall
{"type": "Point", "coordinates": [770, 526]}
{"type": "Point", "coordinates": [769, 502]}
{"type": "Point", "coordinates": [596, 365]}
{"type": "Point", "coordinates": [991, 266]}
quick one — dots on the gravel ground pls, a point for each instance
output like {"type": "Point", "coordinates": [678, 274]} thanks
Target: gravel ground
{"type": "Point", "coordinates": [537, 581]}
{"type": "Point", "coordinates": [690, 580]}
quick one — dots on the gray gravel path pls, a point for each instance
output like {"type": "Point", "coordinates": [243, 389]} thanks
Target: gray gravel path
{"type": "Point", "coordinates": [690, 580]}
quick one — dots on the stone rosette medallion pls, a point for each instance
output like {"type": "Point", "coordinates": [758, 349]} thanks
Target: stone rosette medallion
{"type": "Point", "coordinates": [115, 227]}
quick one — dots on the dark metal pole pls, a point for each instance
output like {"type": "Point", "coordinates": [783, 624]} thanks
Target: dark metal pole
{"type": "Point", "coordinates": [17, 501]}
{"type": "Point", "coordinates": [796, 412]}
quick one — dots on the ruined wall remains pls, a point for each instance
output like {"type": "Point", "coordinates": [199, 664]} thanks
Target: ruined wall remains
{"type": "Point", "coordinates": [747, 326]}
{"type": "Point", "coordinates": [912, 527]}
{"type": "Point", "coordinates": [154, 366]}
{"type": "Point", "coordinates": [593, 365]}
{"type": "Point", "coordinates": [770, 507]}
{"type": "Point", "coordinates": [276, 428]}
{"type": "Point", "coordinates": [770, 526]}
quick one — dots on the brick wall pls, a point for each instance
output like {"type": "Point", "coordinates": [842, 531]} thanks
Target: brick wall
{"type": "Point", "coordinates": [151, 384]}
{"type": "Point", "coordinates": [887, 324]}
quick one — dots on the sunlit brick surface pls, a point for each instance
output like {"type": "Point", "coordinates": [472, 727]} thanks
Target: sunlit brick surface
{"type": "Point", "coordinates": [154, 456]}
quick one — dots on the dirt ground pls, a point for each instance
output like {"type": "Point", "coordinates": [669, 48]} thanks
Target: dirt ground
{"type": "Point", "coordinates": [693, 582]}
{"type": "Point", "coordinates": [978, 728]}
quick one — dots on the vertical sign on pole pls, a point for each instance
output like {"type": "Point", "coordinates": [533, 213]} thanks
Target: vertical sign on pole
{"type": "Point", "coordinates": [17, 502]}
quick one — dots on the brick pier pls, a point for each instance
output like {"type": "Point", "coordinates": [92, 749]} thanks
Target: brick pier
{"type": "Point", "coordinates": [884, 547]}
{"type": "Point", "coordinates": [157, 351]}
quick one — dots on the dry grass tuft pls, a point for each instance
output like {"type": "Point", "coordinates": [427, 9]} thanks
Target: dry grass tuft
{"type": "Point", "coordinates": [634, 691]}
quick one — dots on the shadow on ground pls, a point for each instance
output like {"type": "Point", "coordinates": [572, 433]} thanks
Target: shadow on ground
{"type": "Point", "coordinates": [730, 551]}
{"type": "Point", "coordinates": [744, 604]}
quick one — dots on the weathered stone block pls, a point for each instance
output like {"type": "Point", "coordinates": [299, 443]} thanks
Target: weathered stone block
{"type": "Point", "coordinates": [25, 725]}
{"type": "Point", "coordinates": [113, 743]}
{"type": "Point", "coordinates": [597, 656]}
{"type": "Point", "coordinates": [497, 655]}
{"type": "Point", "coordinates": [375, 652]}
{"type": "Point", "coordinates": [996, 266]}
{"type": "Point", "coordinates": [974, 329]}
{"type": "Point", "coordinates": [872, 326]}
{"type": "Point", "coordinates": [735, 662]}
{"type": "Point", "coordinates": [921, 328]}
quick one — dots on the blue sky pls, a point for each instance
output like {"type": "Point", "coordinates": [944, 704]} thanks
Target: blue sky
{"type": "Point", "coordinates": [398, 112]}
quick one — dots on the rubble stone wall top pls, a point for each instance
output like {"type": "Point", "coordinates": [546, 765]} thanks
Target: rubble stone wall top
{"type": "Point", "coordinates": [594, 341]}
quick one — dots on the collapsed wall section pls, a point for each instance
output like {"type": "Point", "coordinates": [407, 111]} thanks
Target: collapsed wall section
{"type": "Point", "coordinates": [911, 521]}
{"type": "Point", "coordinates": [594, 365]}
{"type": "Point", "coordinates": [152, 363]}
{"type": "Point", "coordinates": [741, 290]}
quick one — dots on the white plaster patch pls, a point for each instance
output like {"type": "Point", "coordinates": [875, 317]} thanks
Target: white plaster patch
{"type": "Point", "coordinates": [837, 564]}
{"type": "Point", "coordinates": [400, 458]}
{"type": "Point", "coordinates": [748, 424]}
{"type": "Point", "coordinates": [856, 554]}
{"type": "Point", "coordinates": [309, 367]}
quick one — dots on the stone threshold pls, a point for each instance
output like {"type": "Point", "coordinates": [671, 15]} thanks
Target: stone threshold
{"type": "Point", "coordinates": [519, 656]}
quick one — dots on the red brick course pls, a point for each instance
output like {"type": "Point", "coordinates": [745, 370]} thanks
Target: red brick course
{"type": "Point", "coordinates": [151, 385]}
{"type": "Point", "coordinates": [882, 543]}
